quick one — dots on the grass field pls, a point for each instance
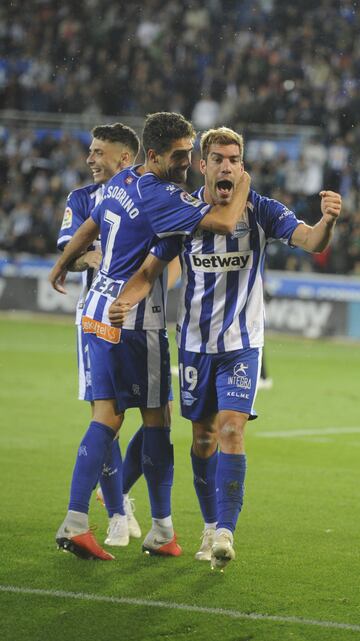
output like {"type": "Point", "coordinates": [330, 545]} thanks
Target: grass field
{"type": "Point", "coordinates": [296, 575]}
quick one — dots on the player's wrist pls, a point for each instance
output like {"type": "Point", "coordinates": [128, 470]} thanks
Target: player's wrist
{"type": "Point", "coordinates": [328, 221]}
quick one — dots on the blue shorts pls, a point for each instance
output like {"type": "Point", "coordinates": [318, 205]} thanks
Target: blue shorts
{"type": "Point", "coordinates": [210, 383]}
{"type": "Point", "coordinates": [135, 371]}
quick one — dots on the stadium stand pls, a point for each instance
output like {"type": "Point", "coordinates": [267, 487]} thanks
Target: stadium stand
{"type": "Point", "coordinates": [286, 74]}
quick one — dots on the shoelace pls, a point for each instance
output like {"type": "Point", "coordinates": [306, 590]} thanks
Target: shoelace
{"type": "Point", "coordinates": [206, 534]}
{"type": "Point", "coordinates": [129, 506]}
{"type": "Point", "coordinates": [116, 527]}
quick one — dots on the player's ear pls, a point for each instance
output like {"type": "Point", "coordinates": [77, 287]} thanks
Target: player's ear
{"type": "Point", "coordinates": [125, 159]}
{"type": "Point", "coordinates": [152, 156]}
{"type": "Point", "coordinates": [202, 166]}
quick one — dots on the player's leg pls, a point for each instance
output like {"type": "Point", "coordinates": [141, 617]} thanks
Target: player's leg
{"type": "Point", "coordinates": [230, 479]}
{"type": "Point", "coordinates": [132, 470]}
{"type": "Point", "coordinates": [158, 467]}
{"type": "Point", "coordinates": [236, 380]}
{"type": "Point", "coordinates": [143, 380]}
{"type": "Point", "coordinates": [199, 405]}
{"type": "Point", "coordinates": [74, 534]}
{"type": "Point", "coordinates": [204, 462]}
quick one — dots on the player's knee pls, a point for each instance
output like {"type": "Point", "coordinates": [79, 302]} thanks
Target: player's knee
{"type": "Point", "coordinates": [231, 431]}
{"type": "Point", "coordinates": [204, 445]}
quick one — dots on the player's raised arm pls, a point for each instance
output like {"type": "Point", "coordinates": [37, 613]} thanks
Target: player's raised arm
{"type": "Point", "coordinates": [137, 288]}
{"type": "Point", "coordinates": [316, 238]}
{"type": "Point", "coordinates": [84, 236]}
{"type": "Point", "coordinates": [222, 219]}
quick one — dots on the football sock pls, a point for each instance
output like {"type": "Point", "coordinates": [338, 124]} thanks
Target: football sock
{"type": "Point", "coordinates": [158, 468]}
{"type": "Point", "coordinates": [111, 481]}
{"type": "Point", "coordinates": [91, 455]}
{"type": "Point", "coordinates": [163, 527]}
{"type": "Point", "coordinates": [132, 467]}
{"type": "Point", "coordinates": [230, 476]}
{"type": "Point", "coordinates": [204, 470]}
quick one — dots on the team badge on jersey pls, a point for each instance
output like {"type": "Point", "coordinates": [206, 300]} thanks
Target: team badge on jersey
{"type": "Point", "coordinates": [241, 230]}
{"type": "Point", "coordinates": [128, 180]}
{"type": "Point", "coordinates": [190, 200]}
{"type": "Point", "coordinates": [67, 219]}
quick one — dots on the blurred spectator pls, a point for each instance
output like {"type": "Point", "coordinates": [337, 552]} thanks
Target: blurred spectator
{"type": "Point", "coordinates": [217, 61]}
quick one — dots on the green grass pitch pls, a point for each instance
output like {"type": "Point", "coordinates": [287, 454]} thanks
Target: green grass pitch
{"type": "Point", "coordinates": [297, 564]}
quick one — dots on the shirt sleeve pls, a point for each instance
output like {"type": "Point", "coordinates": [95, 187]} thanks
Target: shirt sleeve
{"type": "Point", "coordinates": [96, 214]}
{"type": "Point", "coordinates": [171, 210]}
{"type": "Point", "coordinates": [74, 215]}
{"type": "Point", "coordinates": [277, 220]}
{"type": "Point", "coordinates": [167, 248]}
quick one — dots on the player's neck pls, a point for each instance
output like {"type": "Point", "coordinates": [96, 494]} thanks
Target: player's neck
{"type": "Point", "coordinates": [207, 196]}
{"type": "Point", "coordinates": [150, 167]}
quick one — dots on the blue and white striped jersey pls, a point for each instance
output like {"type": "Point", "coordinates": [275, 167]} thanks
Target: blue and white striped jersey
{"type": "Point", "coordinates": [221, 304]}
{"type": "Point", "coordinates": [79, 205]}
{"type": "Point", "coordinates": [134, 213]}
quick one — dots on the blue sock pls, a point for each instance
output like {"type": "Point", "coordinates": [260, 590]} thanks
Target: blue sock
{"type": "Point", "coordinates": [230, 476]}
{"type": "Point", "coordinates": [132, 466]}
{"type": "Point", "coordinates": [111, 481]}
{"type": "Point", "coordinates": [92, 453]}
{"type": "Point", "coordinates": [204, 483]}
{"type": "Point", "coordinates": [158, 468]}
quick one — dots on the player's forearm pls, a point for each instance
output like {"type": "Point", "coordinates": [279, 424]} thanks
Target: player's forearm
{"type": "Point", "coordinates": [137, 288]}
{"type": "Point", "coordinates": [81, 240]}
{"type": "Point", "coordinates": [318, 237]}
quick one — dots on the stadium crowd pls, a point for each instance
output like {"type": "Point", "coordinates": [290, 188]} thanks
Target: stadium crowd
{"type": "Point", "coordinates": [217, 62]}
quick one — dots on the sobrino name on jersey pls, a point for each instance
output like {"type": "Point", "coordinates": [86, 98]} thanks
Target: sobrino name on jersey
{"type": "Point", "coordinates": [120, 194]}
{"type": "Point", "coordinates": [230, 261]}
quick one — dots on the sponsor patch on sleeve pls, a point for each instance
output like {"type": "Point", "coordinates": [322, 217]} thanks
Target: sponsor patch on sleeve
{"type": "Point", "coordinates": [67, 219]}
{"type": "Point", "coordinates": [190, 200]}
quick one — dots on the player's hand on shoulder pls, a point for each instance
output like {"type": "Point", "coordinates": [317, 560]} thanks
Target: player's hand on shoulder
{"type": "Point", "coordinates": [330, 205]}
{"type": "Point", "coordinates": [118, 312]}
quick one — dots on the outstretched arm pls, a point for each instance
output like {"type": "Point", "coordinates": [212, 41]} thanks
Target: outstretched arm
{"type": "Point", "coordinates": [137, 287]}
{"type": "Point", "coordinates": [316, 238]}
{"type": "Point", "coordinates": [82, 238]}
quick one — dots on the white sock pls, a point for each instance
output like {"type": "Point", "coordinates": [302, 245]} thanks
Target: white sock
{"type": "Point", "coordinates": [77, 520]}
{"type": "Point", "coordinates": [164, 527]}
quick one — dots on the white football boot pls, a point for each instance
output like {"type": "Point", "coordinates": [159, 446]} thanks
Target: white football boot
{"type": "Point", "coordinates": [118, 531]}
{"type": "Point", "coordinates": [204, 552]}
{"type": "Point", "coordinates": [222, 550]}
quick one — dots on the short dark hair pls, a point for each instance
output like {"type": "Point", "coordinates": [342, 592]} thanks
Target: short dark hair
{"type": "Point", "coordinates": [118, 133]}
{"type": "Point", "coordinates": [162, 128]}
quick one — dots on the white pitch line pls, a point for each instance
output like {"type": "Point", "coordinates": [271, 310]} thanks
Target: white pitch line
{"type": "Point", "coordinates": [311, 432]}
{"type": "Point", "coordinates": [232, 614]}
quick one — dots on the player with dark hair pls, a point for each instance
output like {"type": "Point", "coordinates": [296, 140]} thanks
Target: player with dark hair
{"type": "Point", "coordinates": [220, 327]}
{"type": "Point", "coordinates": [131, 368]}
{"type": "Point", "coordinates": [113, 147]}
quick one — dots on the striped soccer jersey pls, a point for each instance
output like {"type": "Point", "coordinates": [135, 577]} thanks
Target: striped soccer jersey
{"type": "Point", "coordinates": [137, 210]}
{"type": "Point", "coordinates": [79, 206]}
{"type": "Point", "coordinates": [221, 304]}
